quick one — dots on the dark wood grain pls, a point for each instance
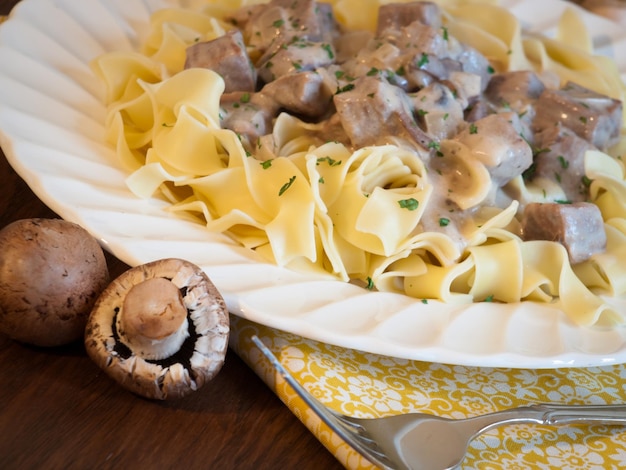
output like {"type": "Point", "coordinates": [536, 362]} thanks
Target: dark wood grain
{"type": "Point", "coordinates": [58, 411]}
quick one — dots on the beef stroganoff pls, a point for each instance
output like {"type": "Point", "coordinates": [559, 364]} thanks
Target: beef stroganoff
{"type": "Point", "coordinates": [431, 149]}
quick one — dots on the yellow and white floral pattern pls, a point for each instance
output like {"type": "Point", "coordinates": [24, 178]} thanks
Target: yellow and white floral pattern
{"type": "Point", "coordinates": [370, 385]}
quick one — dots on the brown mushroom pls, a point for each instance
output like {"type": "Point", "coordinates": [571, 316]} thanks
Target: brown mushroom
{"type": "Point", "coordinates": [160, 329]}
{"type": "Point", "coordinates": [51, 273]}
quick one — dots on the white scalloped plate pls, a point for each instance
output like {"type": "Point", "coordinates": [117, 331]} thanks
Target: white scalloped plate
{"type": "Point", "coordinates": [51, 121]}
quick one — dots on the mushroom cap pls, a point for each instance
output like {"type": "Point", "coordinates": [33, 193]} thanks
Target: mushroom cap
{"type": "Point", "coordinates": [51, 273]}
{"type": "Point", "coordinates": [199, 358]}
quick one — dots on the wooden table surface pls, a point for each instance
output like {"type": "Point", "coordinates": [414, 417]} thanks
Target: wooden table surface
{"type": "Point", "coordinates": [59, 411]}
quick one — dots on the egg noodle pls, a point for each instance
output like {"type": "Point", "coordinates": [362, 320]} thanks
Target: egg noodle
{"type": "Point", "coordinates": [335, 211]}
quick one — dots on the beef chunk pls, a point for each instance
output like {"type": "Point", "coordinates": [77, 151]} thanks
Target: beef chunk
{"type": "Point", "coordinates": [395, 16]}
{"type": "Point", "coordinates": [265, 26]}
{"type": "Point", "coordinates": [495, 141]}
{"type": "Point", "coordinates": [373, 110]}
{"type": "Point", "coordinates": [514, 90]}
{"type": "Point", "coordinates": [296, 56]}
{"type": "Point", "coordinates": [283, 20]}
{"type": "Point", "coordinates": [561, 158]}
{"type": "Point", "coordinates": [329, 29]}
{"type": "Point", "coordinates": [417, 39]}
{"type": "Point", "coordinates": [301, 93]}
{"type": "Point", "coordinates": [248, 114]}
{"type": "Point", "coordinates": [308, 18]}
{"type": "Point", "coordinates": [227, 56]}
{"type": "Point", "coordinates": [578, 227]}
{"type": "Point", "coordinates": [594, 117]}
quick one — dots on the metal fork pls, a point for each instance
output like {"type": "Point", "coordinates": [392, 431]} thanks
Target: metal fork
{"type": "Point", "coordinates": [419, 441]}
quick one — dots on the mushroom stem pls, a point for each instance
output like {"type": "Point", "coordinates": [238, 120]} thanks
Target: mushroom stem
{"type": "Point", "coordinates": [153, 319]}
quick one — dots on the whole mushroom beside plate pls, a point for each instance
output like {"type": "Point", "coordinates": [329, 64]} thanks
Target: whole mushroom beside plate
{"type": "Point", "coordinates": [160, 329]}
{"type": "Point", "coordinates": [51, 273]}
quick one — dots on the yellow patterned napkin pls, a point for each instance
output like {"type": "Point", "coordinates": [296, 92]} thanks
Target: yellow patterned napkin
{"type": "Point", "coordinates": [370, 385]}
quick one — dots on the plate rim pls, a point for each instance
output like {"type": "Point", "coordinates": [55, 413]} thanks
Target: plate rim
{"type": "Point", "coordinates": [239, 303]}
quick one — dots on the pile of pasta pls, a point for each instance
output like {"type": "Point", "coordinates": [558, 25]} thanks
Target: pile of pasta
{"type": "Point", "coordinates": [338, 211]}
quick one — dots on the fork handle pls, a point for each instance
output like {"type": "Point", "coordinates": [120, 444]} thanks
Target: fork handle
{"type": "Point", "coordinates": [564, 414]}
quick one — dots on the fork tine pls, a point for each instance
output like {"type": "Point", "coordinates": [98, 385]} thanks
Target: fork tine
{"type": "Point", "coordinates": [347, 428]}
{"type": "Point", "coordinates": [360, 432]}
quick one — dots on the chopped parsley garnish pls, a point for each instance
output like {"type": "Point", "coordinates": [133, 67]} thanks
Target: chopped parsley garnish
{"type": "Point", "coordinates": [286, 186]}
{"type": "Point", "coordinates": [423, 60]}
{"type": "Point", "coordinates": [329, 50]}
{"type": "Point", "coordinates": [529, 173]}
{"type": "Point", "coordinates": [330, 161]}
{"type": "Point", "coordinates": [348, 87]}
{"type": "Point", "coordinates": [435, 146]}
{"type": "Point", "coordinates": [410, 204]}
{"type": "Point", "coordinates": [444, 222]}
{"type": "Point", "coordinates": [266, 164]}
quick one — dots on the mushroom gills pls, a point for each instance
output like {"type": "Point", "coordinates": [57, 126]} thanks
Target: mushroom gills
{"type": "Point", "coordinates": [169, 301]}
